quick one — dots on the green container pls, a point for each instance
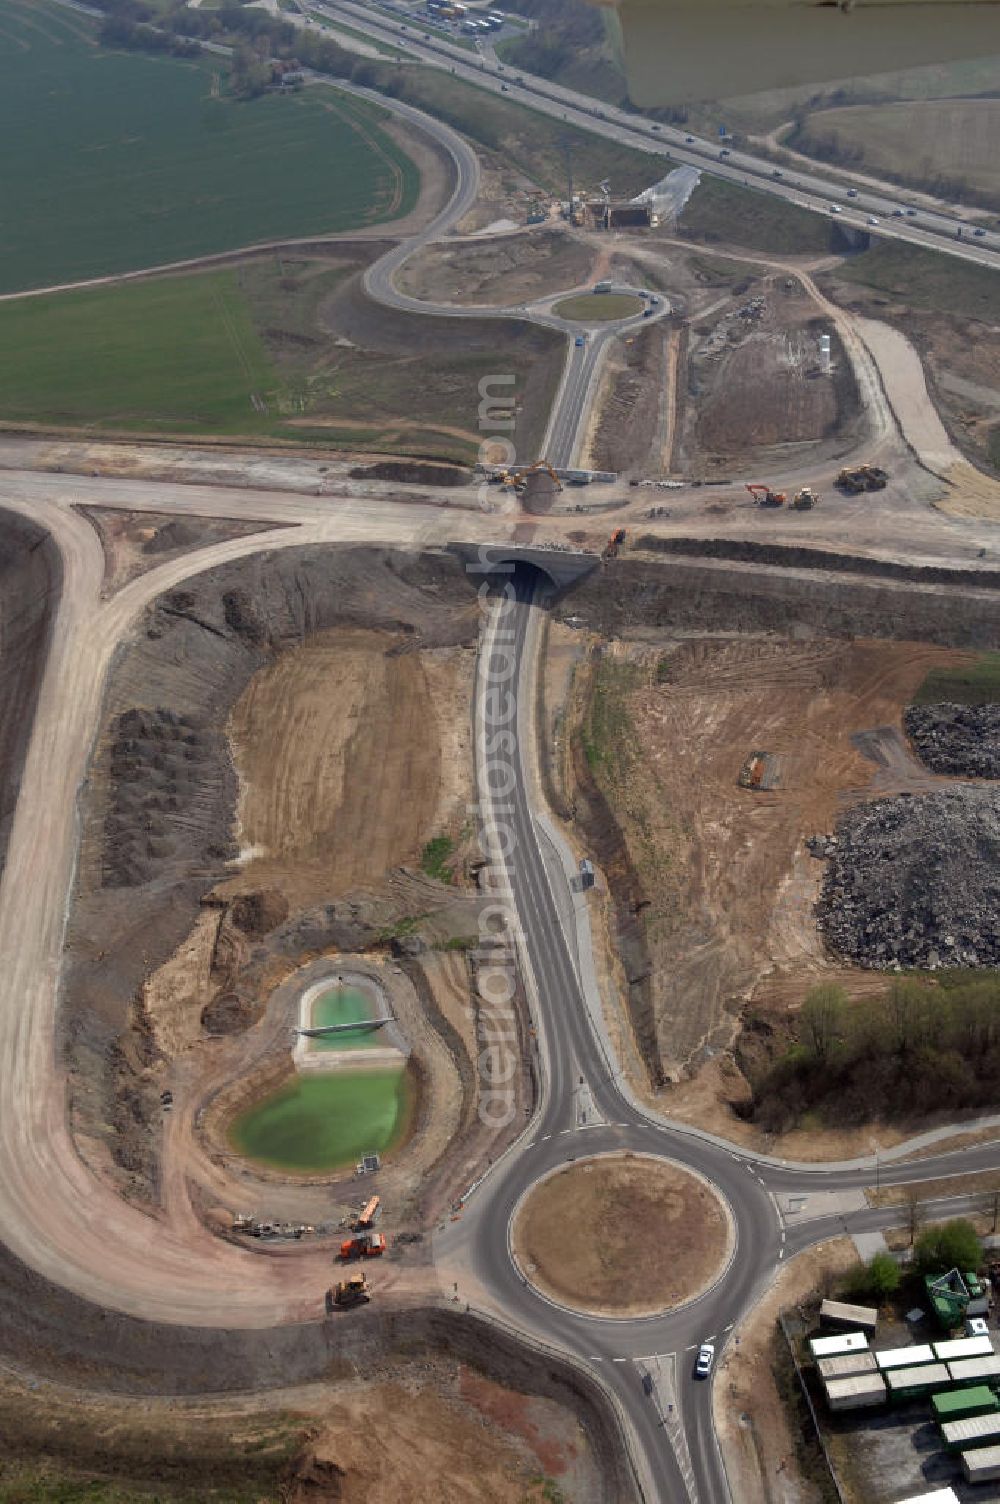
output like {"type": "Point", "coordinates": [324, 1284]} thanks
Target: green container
{"type": "Point", "coordinates": [956, 1404]}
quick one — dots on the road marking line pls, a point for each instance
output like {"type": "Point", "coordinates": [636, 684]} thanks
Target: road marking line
{"type": "Point", "coordinates": [619, 1360]}
{"type": "Point", "coordinates": [545, 1138]}
{"type": "Point", "coordinates": [691, 1348]}
{"type": "Point", "coordinates": [781, 1253]}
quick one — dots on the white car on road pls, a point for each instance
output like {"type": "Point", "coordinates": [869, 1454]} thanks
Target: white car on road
{"type": "Point", "coordinates": [704, 1360]}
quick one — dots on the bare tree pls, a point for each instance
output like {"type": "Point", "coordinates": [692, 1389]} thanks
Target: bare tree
{"type": "Point", "coordinates": [821, 1020]}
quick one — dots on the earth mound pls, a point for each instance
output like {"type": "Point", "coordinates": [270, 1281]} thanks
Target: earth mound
{"type": "Point", "coordinates": [915, 881]}
{"type": "Point", "coordinates": [962, 740]}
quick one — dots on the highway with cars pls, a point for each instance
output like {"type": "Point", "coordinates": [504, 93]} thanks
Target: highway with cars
{"type": "Point", "coordinates": [821, 190]}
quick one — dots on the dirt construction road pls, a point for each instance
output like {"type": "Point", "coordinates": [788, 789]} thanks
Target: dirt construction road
{"type": "Point", "coordinates": [55, 1216]}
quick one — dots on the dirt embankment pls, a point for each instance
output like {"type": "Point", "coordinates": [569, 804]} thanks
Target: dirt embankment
{"type": "Point", "coordinates": [646, 595]}
{"type": "Point", "coordinates": [635, 423]}
{"type": "Point", "coordinates": [30, 580]}
{"type": "Point", "coordinates": [475, 1386]}
{"type": "Point", "coordinates": [139, 889]}
{"type": "Point", "coordinates": [713, 887]}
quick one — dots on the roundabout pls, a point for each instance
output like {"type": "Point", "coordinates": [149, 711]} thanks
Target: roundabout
{"type": "Point", "coordinates": [599, 308]}
{"type": "Point", "coordinates": [622, 1235]}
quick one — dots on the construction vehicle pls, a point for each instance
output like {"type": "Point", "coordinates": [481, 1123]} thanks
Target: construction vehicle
{"type": "Point", "coordinates": [765, 497]}
{"type": "Point", "coordinates": [363, 1245]}
{"type": "Point", "coordinates": [370, 1214]}
{"type": "Point", "coordinates": [862, 478]}
{"type": "Point", "coordinates": [354, 1291]}
{"type": "Point", "coordinates": [518, 479]}
{"type": "Point", "coordinates": [804, 500]}
{"type": "Point", "coordinates": [614, 544]}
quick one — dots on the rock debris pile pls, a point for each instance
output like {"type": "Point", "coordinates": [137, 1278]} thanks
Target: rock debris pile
{"type": "Point", "coordinates": [915, 881]}
{"type": "Point", "coordinates": [958, 739]}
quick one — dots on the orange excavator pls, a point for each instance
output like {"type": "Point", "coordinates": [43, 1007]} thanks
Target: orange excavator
{"type": "Point", "coordinates": [765, 497]}
{"type": "Point", "coordinates": [614, 544]}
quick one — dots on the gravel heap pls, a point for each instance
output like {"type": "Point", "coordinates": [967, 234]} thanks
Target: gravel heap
{"type": "Point", "coordinates": [915, 881]}
{"type": "Point", "coordinates": [962, 739]}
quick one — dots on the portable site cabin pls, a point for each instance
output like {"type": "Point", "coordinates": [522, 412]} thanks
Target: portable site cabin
{"type": "Point", "coordinates": [976, 1370]}
{"type": "Point", "coordinates": [963, 1347]}
{"type": "Point", "coordinates": [908, 1383]}
{"type": "Point", "coordinates": [904, 1357]}
{"type": "Point", "coordinates": [938, 1496]}
{"type": "Point", "coordinates": [857, 1318]}
{"type": "Point", "coordinates": [975, 1431]}
{"type": "Point", "coordinates": [846, 1364]}
{"type": "Point", "coordinates": [956, 1404]}
{"type": "Point", "coordinates": [846, 1342]}
{"type": "Point", "coordinates": [981, 1465]}
{"type": "Point", "coordinates": [856, 1392]}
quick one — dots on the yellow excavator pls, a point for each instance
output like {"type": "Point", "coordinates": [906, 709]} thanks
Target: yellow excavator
{"type": "Point", "coordinates": [518, 479]}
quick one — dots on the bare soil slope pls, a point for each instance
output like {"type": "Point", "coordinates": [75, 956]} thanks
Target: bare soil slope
{"type": "Point", "coordinates": [722, 881]}
{"type": "Point", "coordinates": [339, 749]}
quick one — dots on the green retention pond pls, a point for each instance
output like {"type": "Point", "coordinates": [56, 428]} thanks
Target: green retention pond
{"type": "Point", "coordinates": [344, 1004]}
{"type": "Point", "coordinates": [324, 1120]}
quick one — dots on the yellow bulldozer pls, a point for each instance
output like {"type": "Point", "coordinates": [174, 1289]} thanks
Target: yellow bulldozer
{"type": "Point", "coordinates": [355, 1291]}
{"type": "Point", "coordinates": [804, 500]}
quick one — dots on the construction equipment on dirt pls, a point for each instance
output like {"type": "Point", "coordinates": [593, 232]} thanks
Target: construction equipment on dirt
{"type": "Point", "coordinates": [364, 1245]}
{"type": "Point", "coordinates": [370, 1214]}
{"type": "Point", "coordinates": [355, 1291]}
{"type": "Point", "coordinates": [761, 771]}
{"type": "Point", "coordinates": [804, 500]}
{"type": "Point", "coordinates": [765, 497]}
{"type": "Point", "coordinates": [862, 478]}
{"type": "Point", "coordinates": [614, 544]}
{"type": "Point", "coordinates": [518, 479]}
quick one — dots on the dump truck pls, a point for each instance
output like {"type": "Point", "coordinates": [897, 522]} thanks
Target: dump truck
{"type": "Point", "coordinates": [354, 1291]}
{"type": "Point", "coordinates": [804, 500]}
{"type": "Point", "coordinates": [860, 478]}
{"type": "Point", "coordinates": [363, 1245]}
{"type": "Point", "coordinates": [765, 497]}
{"type": "Point", "coordinates": [614, 544]}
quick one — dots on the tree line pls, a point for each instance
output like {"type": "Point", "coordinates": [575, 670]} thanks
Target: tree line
{"type": "Point", "coordinates": [921, 1047]}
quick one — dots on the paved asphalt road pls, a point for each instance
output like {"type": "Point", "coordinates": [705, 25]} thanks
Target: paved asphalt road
{"type": "Point", "coordinates": [675, 1453]}
{"type": "Point", "coordinates": [933, 227]}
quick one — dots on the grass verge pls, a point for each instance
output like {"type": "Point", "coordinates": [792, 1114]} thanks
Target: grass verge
{"type": "Point", "coordinates": [978, 683]}
{"type": "Point", "coordinates": [593, 308]}
{"type": "Point", "coordinates": [927, 279]}
{"type": "Point", "coordinates": [535, 144]}
{"type": "Point", "coordinates": [723, 211]}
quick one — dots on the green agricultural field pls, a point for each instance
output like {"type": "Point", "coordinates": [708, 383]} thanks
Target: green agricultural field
{"type": "Point", "coordinates": [945, 144]}
{"type": "Point", "coordinates": [285, 349]}
{"type": "Point", "coordinates": [179, 354]}
{"type": "Point", "coordinates": [117, 161]}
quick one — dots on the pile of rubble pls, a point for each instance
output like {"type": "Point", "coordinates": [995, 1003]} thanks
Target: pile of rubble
{"type": "Point", "coordinates": [958, 739]}
{"type": "Point", "coordinates": [915, 881]}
